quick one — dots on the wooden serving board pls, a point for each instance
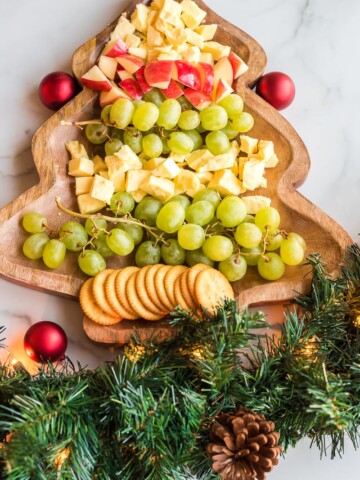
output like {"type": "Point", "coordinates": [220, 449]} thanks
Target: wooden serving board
{"type": "Point", "coordinates": [322, 234]}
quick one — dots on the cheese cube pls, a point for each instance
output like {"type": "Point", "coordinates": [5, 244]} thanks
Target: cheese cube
{"type": "Point", "coordinates": [178, 158]}
{"type": "Point", "coordinates": [81, 167]}
{"type": "Point", "coordinates": [172, 55]}
{"type": "Point", "coordinates": [253, 173]}
{"type": "Point", "coordinates": [122, 29]}
{"type": "Point", "coordinates": [134, 178]}
{"type": "Point", "coordinates": [138, 195]}
{"type": "Point", "coordinates": [151, 19]}
{"type": "Point", "coordinates": [207, 58]}
{"type": "Point", "coordinates": [167, 169]}
{"type": "Point", "coordinates": [266, 149]}
{"type": "Point", "coordinates": [205, 177]}
{"type": "Point", "coordinates": [104, 174]}
{"type": "Point", "coordinates": [132, 41]}
{"type": "Point", "coordinates": [199, 158]}
{"type": "Point", "coordinates": [88, 204]}
{"type": "Point", "coordinates": [99, 164]}
{"type": "Point", "coordinates": [219, 162]}
{"type": "Point", "coordinates": [194, 38]}
{"type": "Point", "coordinates": [226, 183]}
{"type": "Point", "coordinates": [248, 145]}
{"type": "Point", "coordinates": [272, 161]}
{"type": "Point", "coordinates": [170, 11]}
{"type": "Point", "coordinates": [216, 49]}
{"type": "Point", "coordinates": [122, 161]}
{"type": "Point", "coordinates": [234, 149]}
{"type": "Point", "coordinates": [153, 163]}
{"type": "Point", "coordinates": [139, 18]}
{"type": "Point", "coordinates": [157, 4]}
{"type": "Point", "coordinates": [102, 189]}
{"type": "Point", "coordinates": [241, 164]}
{"type": "Point", "coordinates": [83, 185]}
{"type": "Point", "coordinates": [186, 182]}
{"type": "Point", "coordinates": [192, 15]}
{"type": "Point", "coordinates": [158, 187]}
{"type": "Point", "coordinates": [191, 54]}
{"type": "Point", "coordinates": [118, 180]}
{"type": "Point", "coordinates": [139, 52]}
{"type": "Point", "coordinates": [255, 202]}
{"type": "Point", "coordinates": [76, 149]}
{"type": "Point", "coordinates": [206, 31]}
{"type": "Point", "coordinates": [175, 36]}
{"type": "Point", "coordinates": [154, 38]}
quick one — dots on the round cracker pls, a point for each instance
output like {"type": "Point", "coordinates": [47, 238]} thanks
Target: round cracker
{"type": "Point", "coordinates": [169, 282]}
{"type": "Point", "coordinates": [186, 292]}
{"type": "Point", "coordinates": [151, 288]}
{"type": "Point", "coordinates": [193, 273]}
{"type": "Point", "coordinates": [141, 291]}
{"type": "Point", "coordinates": [110, 292]}
{"type": "Point", "coordinates": [179, 297]}
{"type": "Point", "coordinates": [120, 287]}
{"type": "Point", "coordinates": [91, 309]}
{"type": "Point", "coordinates": [136, 303]}
{"type": "Point", "coordinates": [211, 288]}
{"type": "Point", "coordinates": [159, 286]}
{"type": "Point", "coordinates": [100, 294]}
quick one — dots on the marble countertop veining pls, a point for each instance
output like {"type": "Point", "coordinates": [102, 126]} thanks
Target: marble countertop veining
{"type": "Point", "coordinates": [314, 41]}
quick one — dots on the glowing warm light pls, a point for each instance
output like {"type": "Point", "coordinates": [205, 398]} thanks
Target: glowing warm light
{"type": "Point", "coordinates": [63, 456]}
{"type": "Point", "coordinates": [310, 348]}
{"type": "Point", "coordinates": [357, 322]}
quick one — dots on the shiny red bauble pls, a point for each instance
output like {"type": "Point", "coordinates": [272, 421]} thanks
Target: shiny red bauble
{"type": "Point", "coordinates": [277, 89]}
{"type": "Point", "coordinates": [56, 89]}
{"type": "Point", "coordinates": [45, 342]}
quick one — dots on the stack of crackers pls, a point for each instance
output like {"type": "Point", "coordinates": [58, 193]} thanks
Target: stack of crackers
{"type": "Point", "coordinates": [151, 292]}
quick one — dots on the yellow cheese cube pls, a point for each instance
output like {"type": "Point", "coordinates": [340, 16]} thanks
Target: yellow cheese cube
{"type": "Point", "coordinates": [253, 173]}
{"type": "Point", "coordinates": [248, 145]}
{"type": "Point", "coordinates": [263, 183]}
{"type": "Point", "coordinates": [241, 164]}
{"type": "Point", "coordinates": [76, 149]}
{"type": "Point", "coordinates": [199, 158]}
{"type": "Point", "coordinates": [158, 187]}
{"type": "Point", "coordinates": [83, 185]}
{"type": "Point", "coordinates": [152, 17]}
{"type": "Point", "coordinates": [153, 163]}
{"type": "Point", "coordinates": [99, 164]}
{"type": "Point", "coordinates": [191, 54]}
{"type": "Point", "coordinates": [102, 189]}
{"type": "Point", "coordinates": [194, 38]}
{"type": "Point", "coordinates": [255, 202]}
{"type": "Point", "coordinates": [186, 182]}
{"type": "Point", "coordinates": [272, 161]}
{"type": "Point", "coordinates": [88, 204]}
{"type": "Point", "coordinates": [138, 195]}
{"type": "Point", "coordinates": [219, 162]}
{"type": "Point", "coordinates": [175, 36]}
{"type": "Point", "coordinates": [205, 177]}
{"type": "Point", "coordinates": [118, 179]}
{"type": "Point", "coordinates": [167, 169]}
{"type": "Point", "coordinates": [139, 17]}
{"type": "Point", "coordinates": [216, 49]}
{"type": "Point", "coordinates": [122, 29]}
{"type": "Point", "coordinates": [81, 167]}
{"type": "Point", "coordinates": [266, 148]}
{"type": "Point", "coordinates": [206, 31]}
{"type": "Point", "coordinates": [157, 4]}
{"type": "Point", "coordinates": [132, 41]}
{"type": "Point", "coordinates": [170, 11]}
{"type": "Point", "coordinates": [192, 15]}
{"type": "Point", "coordinates": [207, 58]}
{"type": "Point", "coordinates": [178, 158]}
{"type": "Point", "coordinates": [154, 38]}
{"type": "Point", "coordinates": [140, 52]}
{"type": "Point", "coordinates": [172, 55]}
{"type": "Point", "coordinates": [122, 161]}
{"type": "Point", "coordinates": [104, 174]}
{"type": "Point", "coordinates": [234, 149]}
{"type": "Point", "coordinates": [226, 183]}
{"type": "Point", "coordinates": [134, 178]}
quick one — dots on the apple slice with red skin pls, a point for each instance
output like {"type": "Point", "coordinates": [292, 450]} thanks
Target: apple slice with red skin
{"type": "Point", "coordinates": [187, 74]}
{"type": "Point", "coordinates": [199, 100]}
{"type": "Point", "coordinates": [108, 98]}
{"type": "Point", "coordinates": [158, 73]}
{"type": "Point", "coordinates": [173, 91]}
{"type": "Point", "coordinates": [124, 75]}
{"type": "Point", "coordinates": [223, 71]}
{"type": "Point", "coordinates": [238, 65]}
{"type": "Point", "coordinates": [207, 77]}
{"type": "Point", "coordinates": [115, 48]}
{"type": "Point", "coordinates": [129, 63]}
{"type": "Point", "coordinates": [108, 66]}
{"type": "Point", "coordinates": [96, 80]}
{"type": "Point", "coordinates": [132, 88]}
{"type": "Point", "coordinates": [140, 77]}
{"type": "Point", "coordinates": [223, 89]}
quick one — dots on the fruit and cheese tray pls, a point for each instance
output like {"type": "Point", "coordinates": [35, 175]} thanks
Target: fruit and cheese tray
{"type": "Point", "coordinates": [166, 181]}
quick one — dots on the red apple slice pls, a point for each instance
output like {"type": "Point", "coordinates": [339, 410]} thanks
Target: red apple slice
{"type": "Point", "coordinates": [158, 73]}
{"type": "Point", "coordinates": [187, 75]}
{"type": "Point", "coordinates": [108, 98]}
{"type": "Point", "coordinates": [140, 77]}
{"type": "Point", "coordinates": [129, 63]}
{"type": "Point", "coordinates": [124, 75]}
{"type": "Point", "coordinates": [115, 48]}
{"type": "Point", "coordinates": [223, 89]}
{"type": "Point", "coordinates": [207, 77]}
{"type": "Point", "coordinates": [223, 70]}
{"type": "Point", "coordinates": [173, 91]}
{"type": "Point", "coordinates": [96, 80]}
{"type": "Point", "coordinates": [108, 66]}
{"type": "Point", "coordinates": [238, 65]}
{"type": "Point", "coordinates": [132, 88]}
{"type": "Point", "coordinates": [199, 100]}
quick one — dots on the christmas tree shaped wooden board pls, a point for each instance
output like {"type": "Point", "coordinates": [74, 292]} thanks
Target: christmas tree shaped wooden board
{"type": "Point", "coordinates": [322, 234]}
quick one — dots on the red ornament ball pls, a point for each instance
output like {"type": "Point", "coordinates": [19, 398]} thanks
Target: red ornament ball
{"type": "Point", "coordinates": [56, 89]}
{"type": "Point", "coordinates": [45, 342]}
{"type": "Point", "coordinates": [277, 89]}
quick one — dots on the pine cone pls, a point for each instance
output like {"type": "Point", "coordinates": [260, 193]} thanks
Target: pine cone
{"type": "Point", "coordinates": [243, 446]}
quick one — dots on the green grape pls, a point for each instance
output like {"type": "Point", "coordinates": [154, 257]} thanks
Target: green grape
{"type": "Point", "coordinates": [105, 114]}
{"type": "Point", "coordinates": [200, 129]}
{"type": "Point", "coordinates": [185, 202]}
{"type": "Point", "coordinates": [172, 253]}
{"type": "Point", "coordinates": [274, 241]}
{"type": "Point", "coordinates": [152, 145]}
{"type": "Point", "coordinates": [233, 104]}
{"type": "Point", "coordinates": [234, 267]}
{"type": "Point", "coordinates": [73, 235]}
{"type": "Point", "coordinates": [184, 103]}
{"type": "Point", "coordinates": [271, 267]}
{"type": "Point", "coordinates": [148, 253]}
{"type": "Point", "coordinates": [249, 219]}
{"type": "Point", "coordinates": [34, 222]}
{"type": "Point", "coordinates": [147, 210]}
{"type": "Point", "coordinates": [154, 96]}
{"type": "Point", "coordinates": [197, 256]}
{"type": "Point", "coordinates": [252, 255]}
{"type": "Point", "coordinates": [112, 146]}
{"type": "Point", "coordinates": [166, 150]}
{"type": "Point", "coordinates": [91, 262]}
{"type": "Point", "coordinates": [145, 116]}
{"type": "Point", "coordinates": [54, 253]}
{"type": "Point", "coordinates": [291, 251]}
{"type": "Point", "coordinates": [133, 138]}
{"type": "Point", "coordinates": [122, 203]}
{"type": "Point", "coordinates": [200, 213]}
{"type": "Point", "coordinates": [137, 103]}
{"type": "Point", "coordinates": [135, 231]}
{"type": "Point", "coordinates": [189, 120]}
{"type": "Point", "coordinates": [267, 219]}
{"type": "Point", "coordinates": [230, 132]}
{"type": "Point", "coordinates": [34, 245]}
{"type": "Point", "coordinates": [243, 122]}
{"type": "Point", "coordinates": [217, 142]}
{"type": "Point", "coordinates": [115, 132]}
{"type": "Point", "coordinates": [218, 248]}
{"type": "Point", "coordinates": [213, 117]}
{"type": "Point", "coordinates": [120, 242]}
{"type": "Point", "coordinates": [96, 133]}
{"type": "Point", "coordinates": [231, 211]}
{"type": "Point", "coordinates": [196, 138]}
{"type": "Point", "coordinates": [248, 235]}
{"type": "Point", "coordinates": [215, 227]}
{"type": "Point", "coordinates": [100, 246]}
{"type": "Point", "coordinates": [209, 195]}
{"type": "Point", "coordinates": [96, 226]}
{"type": "Point", "coordinates": [169, 114]}
{"type": "Point", "coordinates": [180, 143]}
{"type": "Point", "coordinates": [170, 217]}
{"type": "Point", "coordinates": [191, 236]}
{"type": "Point", "coordinates": [299, 238]}
{"type": "Point", "coordinates": [121, 113]}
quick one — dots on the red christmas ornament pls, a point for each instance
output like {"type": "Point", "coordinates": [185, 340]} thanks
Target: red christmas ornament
{"type": "Point", "coordinates": [277, 89]}
{"type": "Point", "coordinates": [56, 89]}
{"type": "Point", "coordinates": [45, 342]}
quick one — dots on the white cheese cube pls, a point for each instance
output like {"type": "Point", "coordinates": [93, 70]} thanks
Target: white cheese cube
{"type": "Point", "coordinates": [205, 177]}
{"type": "Point", "coordinates": [206, 31]}
{"type": "Point", "coordinates": [255, 202]}
{"type": "Point", "coordinates": [122, 29]}
{"type": "Point", "coordinates": [226, 183]}
{"type": "Point", "coordinates": [154, 38]}
{"type": "Point", "coordinates": [272, 161]}
{"type": "Point", "coordinates": [186, 182]}
{"type": "Point", "coordinates": [99, 164]}
{"type": "Point", "coordinates": [219, 162]}
{"type": "Point", "coordinates": [81, 167]}
{"type": "Point", "coordinates": [158, 187]}
{"type": "Point", "coordinates": [216, 49]}
{"type": "Point", "coordinates": [199, 158]}
{"type": "Point", "coordinates": [118, 179]}
{"type": "Point", "coordinates": [253, 173]}
{"type": "Point", "coordinates": [88, 204]}
{"type": "Point", "coordinates": [248, 145]}
{"type": "Point", "coordinates": [76, 149]}
{"type": "Point", "coordinates": [132, 41]}
{"type": "Point", "coordinates": [102, 189]}
{"type": "Point", "coordinates": [134, 178]}
{"type": "Point", "coordinates": [83, 185]}
{"type": "Point", "coordinates": [192, 15]}
{"type": "Point", "coordinates": [138, 195]}
{"type": "Point", "coordinates": [207, 58]}
{"type": "Point", "coordinates": [194, 38]}
{"type": "Point", "coordinates": [139, 18]}
{"type": "Point", "coordinates": [170, 11]}
{"type": "Point", "coordinates": [167, 169]}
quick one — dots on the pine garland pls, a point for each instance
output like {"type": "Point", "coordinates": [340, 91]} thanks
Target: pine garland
{"type": "Point", "coordinates": [148, 414]}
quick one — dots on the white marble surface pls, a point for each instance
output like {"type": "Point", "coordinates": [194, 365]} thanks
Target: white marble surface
{"type": "Point", "coordinates": [314, 41]}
